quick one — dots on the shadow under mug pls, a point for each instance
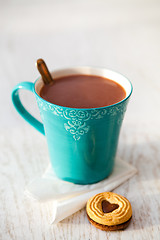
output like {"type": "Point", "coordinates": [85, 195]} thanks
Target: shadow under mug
{"type": "Point", "coordinates": [82, 143]}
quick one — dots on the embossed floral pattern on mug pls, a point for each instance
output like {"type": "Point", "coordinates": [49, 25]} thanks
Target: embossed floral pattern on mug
{"type": "Point", "coordinates": [76, 120]}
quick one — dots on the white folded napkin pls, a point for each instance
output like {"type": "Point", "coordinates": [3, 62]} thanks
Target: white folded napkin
{"type": "Point", "coordinates": [68, 197]}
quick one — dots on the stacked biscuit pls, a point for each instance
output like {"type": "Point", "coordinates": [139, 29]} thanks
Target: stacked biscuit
{"type": "Point", "coordinates": [109, 211]}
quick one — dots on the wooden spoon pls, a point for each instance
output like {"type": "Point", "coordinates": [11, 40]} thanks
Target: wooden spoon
{"type": "Point", "coordinates": [43, 70]}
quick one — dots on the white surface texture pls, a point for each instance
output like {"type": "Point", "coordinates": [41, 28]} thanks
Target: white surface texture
{"type": "Point", "coordinates": [123, 35]}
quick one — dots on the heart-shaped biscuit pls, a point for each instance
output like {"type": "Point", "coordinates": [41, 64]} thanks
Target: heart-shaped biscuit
{"type": "Point", "coordinates": [109, 209]}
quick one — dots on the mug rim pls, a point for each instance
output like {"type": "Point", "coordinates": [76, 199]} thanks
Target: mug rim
{"type": "Point", "coordinates": [86, 68]}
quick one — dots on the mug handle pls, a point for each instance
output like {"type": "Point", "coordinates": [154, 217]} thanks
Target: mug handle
{"type": "Point", "coordinates": [20, 108]}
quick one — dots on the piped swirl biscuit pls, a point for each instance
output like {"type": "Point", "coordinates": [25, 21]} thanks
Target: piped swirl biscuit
{"type": "Point", "coordinates": [109, 209]}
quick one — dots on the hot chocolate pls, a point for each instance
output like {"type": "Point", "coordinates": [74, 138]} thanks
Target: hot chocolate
{"type": "Point", "coordinates": [83, 91]}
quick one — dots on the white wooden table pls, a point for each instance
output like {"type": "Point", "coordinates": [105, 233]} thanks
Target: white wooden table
{"type": "Point", "coordinates": [121, 35]}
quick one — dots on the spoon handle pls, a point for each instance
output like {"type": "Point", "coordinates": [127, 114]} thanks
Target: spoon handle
{"type": "Point", "coordinates": [42, 68]}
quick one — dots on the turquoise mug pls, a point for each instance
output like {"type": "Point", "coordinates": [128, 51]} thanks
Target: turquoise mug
{"type": "Point", "coordinates": [82, 143]}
